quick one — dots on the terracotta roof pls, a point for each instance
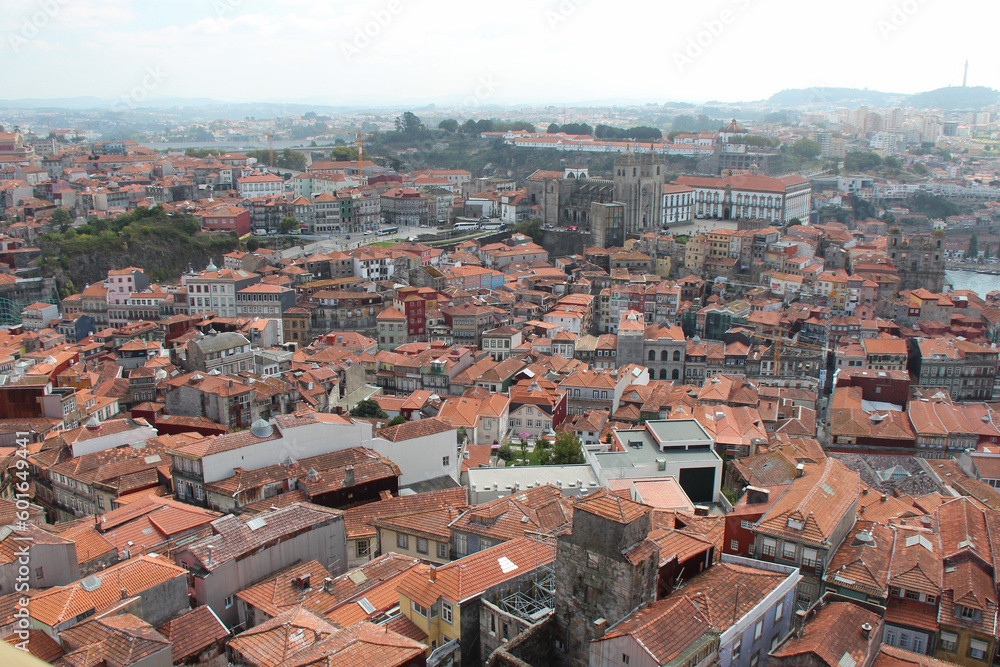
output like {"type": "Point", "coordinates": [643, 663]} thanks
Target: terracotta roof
{"type": "Point", "coordinates": [234, 537]}
{"type": "Point", "coordinates": [362, 644]}
{"type": "Point", "coordinates": [861, 563]}
{"type": "Point", "coordinates": [834, 636]}
{"type": "Point", "coordinates": [193, 632]}
{"type": "Point", "coordinates": [609, 506]}
{"type": "Point", "coordinates": [40, 645]}
{"type": "Point", "coordinates": [275, 641]}
{"type": "Point", "coordinates": [726, 592]}
{"type": "Point", "coordinates": [64, 603]}
{"type": "Point", "coordinates": [893, 656]}
{"type": "Point", "coordinates": [542, 509]}
{"type": "Point", "coordinates": [816, 502]}
{"type": "Point", "coordinates": [118, 640]}
{"type": "Point", "coordinates": [665, 628]}
{"type": "Point", "coordinates": [467, 577]}
{"type": "Point", "coordinates": [415, 429]}
{"type": "Point", "coordinates": [359, 520]}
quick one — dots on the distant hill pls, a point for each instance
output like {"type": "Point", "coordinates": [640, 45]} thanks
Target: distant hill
{"type": "Point", "coordinates": [954, 97]}
{"type": "Point", "coordinates": [843, 97]}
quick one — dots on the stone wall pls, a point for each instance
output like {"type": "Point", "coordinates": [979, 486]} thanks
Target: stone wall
{"type": "Point", "coordinates": [535, 647]}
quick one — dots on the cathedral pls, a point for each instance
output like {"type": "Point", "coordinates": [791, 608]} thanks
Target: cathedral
{"type": "Point", "coordinates": [919, 259]}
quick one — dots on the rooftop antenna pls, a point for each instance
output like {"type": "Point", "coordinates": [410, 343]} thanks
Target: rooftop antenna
{"type": "Point", "coordinates": [965, 75]}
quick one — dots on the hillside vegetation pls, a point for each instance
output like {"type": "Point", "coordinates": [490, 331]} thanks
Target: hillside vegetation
{"type": "Point", "coordinates": [163, 244]}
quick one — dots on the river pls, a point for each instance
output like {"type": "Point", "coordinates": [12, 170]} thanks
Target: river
{"type": "Point", "coordinates": [980, 283]}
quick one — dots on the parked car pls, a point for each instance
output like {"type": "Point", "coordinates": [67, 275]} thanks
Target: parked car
{"type": "Point", "coordinates": [573, 228]}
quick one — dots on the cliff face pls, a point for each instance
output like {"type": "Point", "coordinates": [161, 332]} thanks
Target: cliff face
{"type": "Point", "coordinates": [163, 245]}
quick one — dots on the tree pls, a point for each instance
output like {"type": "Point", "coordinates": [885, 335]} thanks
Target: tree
{"type": "Point", "coordinates": [986, 250]}
{"type": "Point", "coordinates": [543, 451]}
{"type": "Point", "coordinates": [61, 219]}
{"type": "Point", "coordinates": [368, 409]}
{"type": "Point", "coordinates": [532, 228]}
{"type": "Point", "coordinates": [461, 434]}
{"type": "Point", "coordinates": [567, 449]}
{"type": "Point", "coordinates": [409, 124]}
{"type": "Point", "coordinates": [450, 125]}
{"type": "Point", "coordinates": [806, 148]}
{"type": "Point", "coordinates": [505, 453]}
{"type": "Point", "coordinates": [552, 128]}
{"type": "Point", "coordinates": [973, 252]}
{"type": "Point", "coordinates": [397, 420]}
{"type": "Point", "coordinates": [344, 154]}
{"type": "Point", "coordinates": [288, 225]}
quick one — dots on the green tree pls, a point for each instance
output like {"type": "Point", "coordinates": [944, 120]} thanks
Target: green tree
{"type": "Point", "coordinates": [567, 449]}
{"type": "Point", "coordinates": [288, 225]}
{"type": "Point", "coordinates": [344, 154]}
{"type": "Point", "coordinates": [806, 148]}
{"type": "Point", "coordinates": [461, 434]}
{"type": "Point", "coordinates": [973, 252]}
{"type": "Point", "coordinates": [552, 128]}
{"type": "Point", "coordinates": [450, 125]}
{"type": "Point", "coordinates": [543, 451]}
{"type": "Point", "coordinates": [505, 453]}
{"type": "Point", "coordinates": [368, 409]}
{"type": "Point", "coordinates": [397, 420]}
{"type": "Point", "coordinates": [986, 250]}
{"type": "Point", "coordinates": [532, 228]}
{"type": "Point", "coordinates": [409, 124]}
{"type": "Point", "coordinates": [61, 219]}
{"type": "Point", "coordinates": [524, 449]}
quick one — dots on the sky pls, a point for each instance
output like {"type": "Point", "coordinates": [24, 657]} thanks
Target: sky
{"type": "Point", "coordinates": [475, 53]}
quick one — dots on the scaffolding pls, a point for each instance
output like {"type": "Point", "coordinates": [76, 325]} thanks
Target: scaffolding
{"type": "Point", "coordinates": [538, 601]}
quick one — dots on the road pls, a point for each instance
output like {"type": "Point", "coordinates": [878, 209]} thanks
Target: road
{"type": "Point", "coordinates": [342, 242]}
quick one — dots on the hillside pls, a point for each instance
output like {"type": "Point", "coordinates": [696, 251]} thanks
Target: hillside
{"type": "Point", "coordinates": [845, 97]}
{"type": "Point", "coordinates": [162, 244]}
{"type": "Point", "coordinates": [954, 97]}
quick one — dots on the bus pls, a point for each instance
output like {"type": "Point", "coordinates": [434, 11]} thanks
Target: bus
{"type": "Point", "coordinates": [493, 226]}
{"type": "Point", "coordinates": [466, 226]}
{"type": "Point", "coordinates": [386, 231]}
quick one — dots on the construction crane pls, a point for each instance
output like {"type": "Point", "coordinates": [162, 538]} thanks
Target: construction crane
{"type": "Point", "coordinates": [361, 165]}
{"type": "Point", "coordinates": [270, 150]}
{"type": "Point", "coordinates": [777, 343]}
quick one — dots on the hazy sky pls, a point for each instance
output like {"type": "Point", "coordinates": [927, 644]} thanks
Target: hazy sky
{"type": "Point", "coordinates": [479, 53]}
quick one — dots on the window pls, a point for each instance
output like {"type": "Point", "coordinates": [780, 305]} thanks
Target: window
{"type": "Point", "coordinates": [779, 609]}
{"type": "Point", "coordinates": [894, 591]}
{"type": "Point", "coordinates": [810, 558]}
{"type": "Point", "coordinates": [949, 642]}
{"type": "Point", "coordinates": [442, 550]}
{"type": "Point", "coordinates": [624, 658]}
{"type": "Point", "coordinates": [445, 461]}
{"type": "Point", "coordinates": [967, 613]}
{"type": "Point", "coordinates": [734, 545]}
{"type": "Point", "coordinates": [419, 609]}
{"type": "Point", "coordinates": [363, 548]}
{"type": "Point", "coordinates": [769, 546]}
{"type": "Point", "coordinates": [737, 648]}
{"type": "Point", "coordinates": [421, 545]}
{"type": "Point", "coordinates": [402, 540]}
{"type": "Point", "coordinates": [977, 649]}
{"type": "Point", "coordinates": [461, 544]}
{"type": "Point", "coordinates": [446, 612]}
{"type": "Point", "coordinates": [39, 573]}
{"type": "Point", "coordinates": [228, 601]}
{"type": "Point", "coordinates": [493, 624]}
{"type": "Point", "coordinates": [758, 629]}
{"type": "Point", "coordinates": [788, 551]}
{"type": "Point", "coordinates": [746, 525]}
{"type": "Point", "coordinates": [755, 659]}
{"type": "Point", "coordinates": [912, 595]}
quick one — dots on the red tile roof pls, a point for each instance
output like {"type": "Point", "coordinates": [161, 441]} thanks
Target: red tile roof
{"type": "Point", "coordinates": [193, 632]}
{"type": "Point", "coordinates": [834, 636]}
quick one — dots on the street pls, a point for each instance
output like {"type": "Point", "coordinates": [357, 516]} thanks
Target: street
{"type": "Point", "coordinates": [341, 242]}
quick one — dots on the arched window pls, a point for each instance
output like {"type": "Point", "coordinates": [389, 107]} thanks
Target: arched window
{"type": "Point", "coordinates": [652, 355]}
{"type": "Point", "coordinates": [663, 373]}
{"type": "Point", "coordinates": [664, 355]}
{"type": "Point", "coordinates": [677, 355]}
{"type": "Point", "coordinates": [677, 374]}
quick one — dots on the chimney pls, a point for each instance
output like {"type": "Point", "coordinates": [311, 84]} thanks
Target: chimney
{"type": "Point", "coordinates": [600, 626]}
{"type": "Point", "coordinates": [800, 469]}
{"type": "Point", "coordinates": [328, 584]}
{"type": "Point", "coordinates": [800, 619]}
{"type": "Point", "coordinates": [349, 476]}
{"type": "Point", "coordinates": [756, 494]}
{"type": "Point", "coordinates": [866, 631]}
{"type": "Point", "coordinates": [432, 576]}
{"type": "Point", "coordinates": [124, 594]}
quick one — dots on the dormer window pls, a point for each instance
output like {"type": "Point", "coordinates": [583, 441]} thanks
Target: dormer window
{"type": "Point", "coordinates": [795, 524]}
